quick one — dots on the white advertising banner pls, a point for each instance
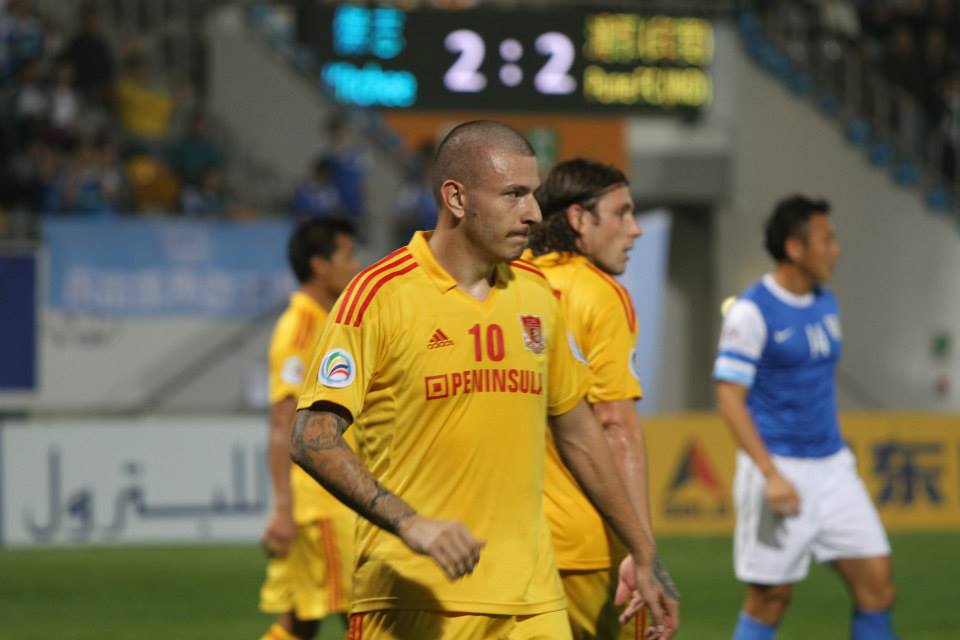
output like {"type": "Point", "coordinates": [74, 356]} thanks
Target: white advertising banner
{"type": "Point", "coordinates": [119, 481]}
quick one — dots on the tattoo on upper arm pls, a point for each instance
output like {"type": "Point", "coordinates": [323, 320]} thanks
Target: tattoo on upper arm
{"type": "Point", "coordinates": [319, 431]}
{"type": "Point", "coordinates": [662, 576]}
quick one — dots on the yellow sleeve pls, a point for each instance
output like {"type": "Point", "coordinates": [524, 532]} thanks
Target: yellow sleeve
{"type": "Point", "coordinates": [601, 321]}
{"type": "Point", "coordinates": [286, 363]}
{"type": "Point", "coordinates": [345, 358]}
{"type": "Point", "coordinates": [568, 377]}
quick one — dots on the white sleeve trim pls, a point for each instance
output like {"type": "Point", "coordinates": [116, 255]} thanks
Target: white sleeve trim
{"type": "Point", "coordinates": [733, 370]}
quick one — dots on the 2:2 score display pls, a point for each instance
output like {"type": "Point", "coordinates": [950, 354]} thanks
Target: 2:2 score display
{"type": "Point", "coordinates": [522, 60]}
{"type": "Point", "coordinates": [552, 78]}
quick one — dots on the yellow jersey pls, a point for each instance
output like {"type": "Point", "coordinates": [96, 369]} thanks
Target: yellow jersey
{"type": "Point", "coordinates": [602, 321]}
{"type": "Point", "coordinates": [291, 347]}
{"type": "Point", "coordinates": [449, 397]}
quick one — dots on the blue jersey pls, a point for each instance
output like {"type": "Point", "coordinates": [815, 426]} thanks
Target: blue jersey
{"type": "Point", "coordinates": [785, 348]}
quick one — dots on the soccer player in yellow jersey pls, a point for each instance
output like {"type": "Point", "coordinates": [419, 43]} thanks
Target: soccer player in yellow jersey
{"type": "Point", "coordinates": [446, 357]}
{"type": "Point", "coordinates": [310, 533]}
{"type": "Point", "coordinates": [588, 228]}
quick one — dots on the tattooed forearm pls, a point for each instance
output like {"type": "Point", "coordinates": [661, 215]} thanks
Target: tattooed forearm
{"type": "Point", "coordinates": [662, 576]}
{"type": "Point", "coordinates": [393, 509]}
{"type": "Point", "coordinates": [381, 492]}
{"type": "Point", "coordinates": [319, 448]}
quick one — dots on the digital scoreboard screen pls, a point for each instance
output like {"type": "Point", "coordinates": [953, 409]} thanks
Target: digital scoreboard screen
{"type": "Point", "coordinates": [534, 61]}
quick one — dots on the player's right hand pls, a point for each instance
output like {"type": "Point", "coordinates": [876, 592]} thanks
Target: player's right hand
{"type": "Point", "coordinates": [448, 542]}
{"type": "Point", "coordinates": [638, 584]}
{"type": "Point", "coordinates": [280, 532]}
{"type": "Point", "coordinates": [782, 497]}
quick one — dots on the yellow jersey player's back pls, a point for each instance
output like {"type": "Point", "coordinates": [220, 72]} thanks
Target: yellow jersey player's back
{"type": "Point", "coordinates": [602, 322]}
{"type": "Point", "coordinates": [291, 348]}
{"type": "Point", "coordinates": [310, 533]}
{"type": "Point", "coordinates": [587, 232]}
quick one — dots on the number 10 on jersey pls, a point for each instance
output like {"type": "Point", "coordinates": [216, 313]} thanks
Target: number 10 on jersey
{"type": "Point", "coordinates": [492, 338]}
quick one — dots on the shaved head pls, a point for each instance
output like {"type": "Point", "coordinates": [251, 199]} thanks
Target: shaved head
{"type": "Point", "coordinates": [464, 154]}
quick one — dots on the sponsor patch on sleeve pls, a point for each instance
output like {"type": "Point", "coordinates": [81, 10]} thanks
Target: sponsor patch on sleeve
{"type": "Point", "coordinates": [337, 369]}
{"type": "Point", "coordinates": [292, 370]}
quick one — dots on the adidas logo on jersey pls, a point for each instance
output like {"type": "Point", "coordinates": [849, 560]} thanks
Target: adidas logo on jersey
{"type": "Point", "coordinates": [439, 339]}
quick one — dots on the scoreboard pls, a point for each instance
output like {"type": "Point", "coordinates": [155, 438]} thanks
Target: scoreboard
{"type": "Point", "coordinates": [574, 60]}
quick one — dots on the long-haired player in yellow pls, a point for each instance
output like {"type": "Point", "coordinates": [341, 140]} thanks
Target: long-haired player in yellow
{"type": "Point", "coordinates": [446, 358]}
{"type": "Point", "coordinates": [309, 535]}
{"type": "Point", "coordinates": [588, 228]}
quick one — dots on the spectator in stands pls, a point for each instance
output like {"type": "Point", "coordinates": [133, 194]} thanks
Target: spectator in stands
{"type": "Point", "coordinates": [347, 165]}
{"type": "Point", "coordinates": [946, 15]}
{"type": "Point", "coordinates": [92, 184]}
{"type": "Point", "coordinates": [876, 21]}
{"type": "Point", "coordinates": [902, 64]}
{"type": "Point", "coordinates": [416, 203]}
{"type": "Point", "coordinates": [153, 186]}
{"type": "Point", "coordinates": [91, 58]}
{"type": "Point", "coordinates": [31, 105]}
{"type": "Point", "coordinates": [32, 178]}
{"type": "Point", "coordinates": [21, 38]}
{"type": "Point", "coordinates": [318, 196]}
{"type": "Point", "coordinates": [145, 110]}
{"type": "Point", "coordinates": [64, 103]}
{"type": "Point", "coordinates": [950, 127]}
{"type": "Point", "coordinates": [195, 154]}
{"type": "Point", "coordinates": [208, 198]}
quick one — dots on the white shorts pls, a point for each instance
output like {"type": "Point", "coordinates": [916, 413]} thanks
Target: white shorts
{"type": "Point", "coordinates": [837, 520]}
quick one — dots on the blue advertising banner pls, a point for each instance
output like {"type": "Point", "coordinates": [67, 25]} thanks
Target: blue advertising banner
{"type": "Point", "coordinates": [646, 279]}
{"type": "Point", "coordinates": [18, 321]}
{"type": "Point", "coordinates": [156, 268]}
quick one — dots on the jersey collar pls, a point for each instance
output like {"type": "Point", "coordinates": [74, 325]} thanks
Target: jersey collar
{"type": "Point", "coordinates": [300, 299]}
{"type": "Point", "coordinates": [553, 258]}
{"type": "Point", "coordinates": [784, 296]}
{"type": "Point", "coordinates": [424, 256]}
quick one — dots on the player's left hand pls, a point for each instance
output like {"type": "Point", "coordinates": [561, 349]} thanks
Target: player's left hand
{"type": "Point", "coordinates": [280, 532]}
{"type": "Point", "coordinates": [652, 587]}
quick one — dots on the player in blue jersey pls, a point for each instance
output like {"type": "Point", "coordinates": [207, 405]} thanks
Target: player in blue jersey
{"type": "Point", "coordinates": [796, 490]}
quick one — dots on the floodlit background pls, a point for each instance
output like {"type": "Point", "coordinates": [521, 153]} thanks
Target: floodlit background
{"type": "Point", "coordinates": [155, 153]}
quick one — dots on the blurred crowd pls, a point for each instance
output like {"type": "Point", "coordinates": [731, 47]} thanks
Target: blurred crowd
{"type": "Point", "coordinates": [336, 185]}
{"type": "Point", "coordinates": [92, 128]}
{"type": "Point", "coordinates": [896, 62]}
{"type": "Point", "coordinates": [84, 131]}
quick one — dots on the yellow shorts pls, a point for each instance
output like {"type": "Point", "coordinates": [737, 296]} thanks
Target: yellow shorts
{"type": "Point", "coordinates": [397, 624]}
{"type": "Point", "coordinates": [590, 606]}
{"type": "Point", "coordinates": [313, 580]}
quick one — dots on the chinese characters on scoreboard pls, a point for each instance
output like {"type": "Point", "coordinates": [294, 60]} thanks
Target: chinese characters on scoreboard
{"type": "Point", "coordinates": [668, 54]}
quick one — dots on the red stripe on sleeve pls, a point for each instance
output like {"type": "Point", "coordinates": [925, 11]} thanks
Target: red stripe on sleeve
{"type": "Point", "coordinates": [364, 279]}
{"type": "Point", "coordinates": [306, 330]}
{"type": "Point", "coordinates": [357, 278]}
{"type": "Point", "coordinates": [297, 330]}
{"type": "Point", "coordinates": [621, 294]}
{"type": "Point", "coordinates": [373, 291]}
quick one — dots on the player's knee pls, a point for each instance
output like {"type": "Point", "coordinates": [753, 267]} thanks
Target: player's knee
{"type": "Point", "coordinates": [767, 603]}
{"type": "Point", "coordinates": [876, 597]}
